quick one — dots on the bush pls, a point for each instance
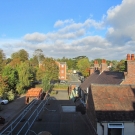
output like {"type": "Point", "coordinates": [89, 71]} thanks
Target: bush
{"type": "Point", "coordinates": [10, 95]}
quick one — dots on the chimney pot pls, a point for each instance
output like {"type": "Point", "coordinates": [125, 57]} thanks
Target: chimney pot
{"type": "Point", "coordinates": [132, 56]}
{"type": "Point", "coordinates": [128, 57]}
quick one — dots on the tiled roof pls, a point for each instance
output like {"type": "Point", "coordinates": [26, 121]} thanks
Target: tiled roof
{"type": "Point", "coordinates": [114, 102]}
{"type": "Point", "coordinates": [106, 77]}
{"type": "Point", "coordinates": [34, 92]}
{"type": "Point", "coordinates": [89, 80]}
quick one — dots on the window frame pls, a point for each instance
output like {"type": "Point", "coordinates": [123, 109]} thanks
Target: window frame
{"type": "Point", "coordinates": [116, 125]}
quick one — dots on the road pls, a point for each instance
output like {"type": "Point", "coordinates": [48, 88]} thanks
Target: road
{"type": "Point", "coordinates": [74, 80]}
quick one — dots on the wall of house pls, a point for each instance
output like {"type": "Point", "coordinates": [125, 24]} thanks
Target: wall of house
{"type": "Point", "coordinates": [91, 109]}
{"type": "Point", "coordinates": [129, 128]}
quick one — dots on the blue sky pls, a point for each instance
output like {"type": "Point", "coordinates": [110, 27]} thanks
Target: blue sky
{"type": "Point", "coordinates": [96, 29]}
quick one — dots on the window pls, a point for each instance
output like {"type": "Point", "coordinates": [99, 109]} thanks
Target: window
{"type": "Point", "coordinates": [115, 129]}
{"type": "Point", "coordinates": [62, 66]}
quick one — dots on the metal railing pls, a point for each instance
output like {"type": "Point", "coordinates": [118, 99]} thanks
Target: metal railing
{"type": "Point", "coordinates": [8, 130]}
{"type": "Point", "coordinates": [35, 114]}
{"type": "Point", "coordinates": [27, 124]}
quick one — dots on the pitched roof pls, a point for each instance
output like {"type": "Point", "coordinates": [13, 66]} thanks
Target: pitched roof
{"type": "Point", "coordinates": [114, 102]}
{"type": "Point", "coordinates": [106, 77]}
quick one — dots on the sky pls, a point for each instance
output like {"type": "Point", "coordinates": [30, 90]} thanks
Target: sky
{"type": "Point", "coordinates": [68, 28]}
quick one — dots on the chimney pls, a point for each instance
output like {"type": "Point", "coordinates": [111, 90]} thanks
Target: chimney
{"type": "Point", "coordinates": [128, 56]}
{"type": "Point", "coordinates": [96, 65]}
{"type": "Point", "coordinates": [132, 56]}
{"type": "Point", "coordinates": [91, 70]}
{"type": "Point", "coordinates": [130, 66]}
{"type": "Point", "coordinates": [103, 65]}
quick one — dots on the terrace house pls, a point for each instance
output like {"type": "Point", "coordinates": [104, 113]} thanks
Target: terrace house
{"type": "Point", "coordinates": [110, 98]}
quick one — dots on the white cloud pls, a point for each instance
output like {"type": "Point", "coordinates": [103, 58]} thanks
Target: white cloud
{"type": "Point", "coordinates": [72, 39]}
{"type": "Point", "coordinates": [35, 37]}
{"type": "Point", "coordinates": [122, 21]}
{"type": "Point", "coordinates": [61, 23]}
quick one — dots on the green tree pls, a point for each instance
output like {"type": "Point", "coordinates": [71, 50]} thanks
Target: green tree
{"type": "Point", "coordinates": [25, 75]}
{"type": "Point", "coordinates": [3, 86]}
{"type": "Point", "coordinates": [46, 83]}
{"type": "Point", "coordinates": [38, 54]}
{"type": "Point", "coordinates": [121, 66]}
{"type": "Point", "coordinates": [83, 66]}
{"type": "Point", "coordinates": [2, 60]}
{"type": "Point", "coordinates": [12, 76]}
{"type": "Point", "coordinates": [21, 54]}
{"type": "Point", "coordinates": [50, 67]}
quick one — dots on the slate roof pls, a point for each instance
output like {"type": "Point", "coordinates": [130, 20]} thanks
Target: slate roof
{"type": "Point", "coordinates": [114, 102]}
{"type": "Point", "coordinates": [106, 77]}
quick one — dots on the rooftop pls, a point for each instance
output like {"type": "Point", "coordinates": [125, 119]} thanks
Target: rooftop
{"type": "Point", "coordinates": [114, 102]}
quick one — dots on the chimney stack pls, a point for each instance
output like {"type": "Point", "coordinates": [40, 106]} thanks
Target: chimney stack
{"type": "Point", "coordinates": [103, 65]}
{"type": "Point", "coordinates": [96, 65]}
{"type": "Point", "coordinates": [132, 56]}
{"type": "Point", "coordinates": [128, 56]}
{"type": "Point", "coordinates": [91, 70]}
{"type": "Point", "coordinates": [130, 74]}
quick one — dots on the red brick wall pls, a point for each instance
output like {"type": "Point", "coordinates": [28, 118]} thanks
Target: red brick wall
{"type": "Point", "coordinates": [130, 75]}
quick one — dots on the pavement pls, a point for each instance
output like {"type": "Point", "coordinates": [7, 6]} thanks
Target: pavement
{"type": "Point", "coordinates": [61, 95]}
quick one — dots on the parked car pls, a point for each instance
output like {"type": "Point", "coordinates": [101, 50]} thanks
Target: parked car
{"type": "Point", "coordinates": [63, 82]}
{"type": "Point", "coordinates": [3, 101]}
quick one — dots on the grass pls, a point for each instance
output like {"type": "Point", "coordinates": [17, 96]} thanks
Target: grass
{"type": "Point", "coordinates": [60, 87]}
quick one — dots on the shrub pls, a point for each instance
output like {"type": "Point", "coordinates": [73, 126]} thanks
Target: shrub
{"type": "Point", "coordinates": [10, 95]}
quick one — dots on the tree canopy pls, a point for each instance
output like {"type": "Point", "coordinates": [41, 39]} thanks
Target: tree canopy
{"type": "Point", "coordinates": [21, 54]}
{"type": "Point", "coordinates": [83, 66]}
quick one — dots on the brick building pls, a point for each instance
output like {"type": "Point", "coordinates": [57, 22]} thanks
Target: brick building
{"type": "Point", "coordinates": [110, 98]}
{"type": "Point", "coordinates": [62, 70]}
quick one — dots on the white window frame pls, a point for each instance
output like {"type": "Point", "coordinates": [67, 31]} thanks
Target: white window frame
{"type": "Point", "coordinates": [117, 125]}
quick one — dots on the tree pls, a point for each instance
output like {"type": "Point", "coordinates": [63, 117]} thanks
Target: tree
{"type": "Point", "coordinates": [25, 75]}
{"type": "Point", "coordinates": [121, 66]}
{"type": "Point", "coordinates": [2, 60]}
{"type": "Point", "coordinates": [46, 83]}
{"type": "Point", "coordinates": [3, 86]}
{"type": "Point", "coordinates": [12, 77]}
{"type": "Point", "coordinates": [50, 67]}
{"type": "Point", "coordinates": [83, 66]}
{"type": "Point", "coordinates": [34, 61]}
{"type": "Point", "coordinates": [38, 53]}
{"type": "Point", "coordinates": [15, 62]}
{"type": "Point", "coordinates": [21, 54]}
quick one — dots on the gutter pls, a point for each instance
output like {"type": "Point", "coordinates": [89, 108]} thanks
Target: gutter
{"type": "Point", "coordinates": [102, 127]}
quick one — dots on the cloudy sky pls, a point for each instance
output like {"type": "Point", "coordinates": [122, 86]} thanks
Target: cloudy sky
{"type": "Point", "coordinates": [68, 28]}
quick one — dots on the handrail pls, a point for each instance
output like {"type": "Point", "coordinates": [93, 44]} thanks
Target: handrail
{"type": "Point", "coordinates": [36, 111]}
{"type": "Point", "coordinates": [20, 117]}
